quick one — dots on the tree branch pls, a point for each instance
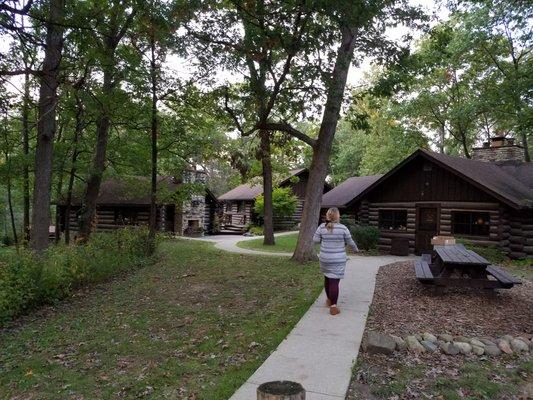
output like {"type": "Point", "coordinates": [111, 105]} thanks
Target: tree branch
{"type": "Point", "coordinates": [287, 128]}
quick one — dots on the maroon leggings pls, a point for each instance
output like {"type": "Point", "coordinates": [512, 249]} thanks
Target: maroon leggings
{"type": "Point", "coordinates": [331, 285]}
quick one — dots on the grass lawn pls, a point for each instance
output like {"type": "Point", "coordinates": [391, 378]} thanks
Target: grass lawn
{"type": "Point", "coordinates": [492, 378]}
{"type": "Point", "coordinates": [193, 326]}
{"type": "Point", "coordinates": [284, 244]}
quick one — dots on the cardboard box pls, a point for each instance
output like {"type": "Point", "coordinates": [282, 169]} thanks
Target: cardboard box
{"type": "Point", "coordinates": [443, 240]}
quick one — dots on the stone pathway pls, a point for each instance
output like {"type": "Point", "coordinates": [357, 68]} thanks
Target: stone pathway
{"type": "Point", "coordinates": [320, 350]}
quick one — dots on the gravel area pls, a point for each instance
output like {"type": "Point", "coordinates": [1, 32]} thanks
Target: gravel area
{"type": "Point", "coordinates": [402, 305]}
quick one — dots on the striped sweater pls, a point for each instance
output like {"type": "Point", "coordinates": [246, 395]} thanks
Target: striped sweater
{"type": "Point", "coordinates": [333, 244]}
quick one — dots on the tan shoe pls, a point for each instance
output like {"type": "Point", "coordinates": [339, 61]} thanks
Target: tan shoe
{"type": "Point", "coordinates": [328, 302]}
{"type": "Point", "coordinates": [334, 310]}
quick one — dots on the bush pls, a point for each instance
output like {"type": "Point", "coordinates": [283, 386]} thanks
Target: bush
{"type": "Point", "coordinates": [366, 237]}
{"type": "Point", "coordinates": [256, 230]}
{"type": "Point", "coordinates": [284, 203]}
{"type": "Point", "coordinates": [7, 240]}
{"type": "Point", "coordinates": [28, 281]}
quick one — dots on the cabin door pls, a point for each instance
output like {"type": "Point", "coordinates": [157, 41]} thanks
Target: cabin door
{"type": "Point", "coordinates": [427, 226]}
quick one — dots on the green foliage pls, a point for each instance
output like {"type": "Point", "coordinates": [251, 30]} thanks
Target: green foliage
{"type": "Point", "coordinates": [6, 240]}
{"type": "Point", "coordinates": [28, 281]}
{"type": "Point", "coordinates": [256, 230]}
{"type": "Point", "coordinates": [383, 143]}
{"type": "Point", "coordinates": [284, 203]}
{"type": "Point", "coordinates": [491, 252]}
{"type": "Point", "coordinates": [365, 236]}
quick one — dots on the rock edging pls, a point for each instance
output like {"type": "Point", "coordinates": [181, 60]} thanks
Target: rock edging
{"type": "Point", "coordinates": [383, 343]}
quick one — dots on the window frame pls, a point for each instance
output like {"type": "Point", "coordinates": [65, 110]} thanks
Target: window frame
{"type": "Point", "coordinates": [393, 220]}
{"type": "Point", "coordinates": [472, 216]}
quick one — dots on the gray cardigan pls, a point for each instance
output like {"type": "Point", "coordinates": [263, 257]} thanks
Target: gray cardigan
{"type": "Point", "coordinates": [333, 243]}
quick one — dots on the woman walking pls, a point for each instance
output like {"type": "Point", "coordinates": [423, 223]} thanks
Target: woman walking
{"type": "Point", "coordinates": [333, 238]}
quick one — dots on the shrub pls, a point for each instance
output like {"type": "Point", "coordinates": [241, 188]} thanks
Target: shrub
{"type": "Point", "coordinates": [366, 237]}
{"type": "Point", "coordinates": [28, 280]}
{"type": "Point", "coordinates": [283, 201]}
{"type": "Point", "coordinates": [256, 230]}
{"type": "Point", "coordinates": [7, 240]}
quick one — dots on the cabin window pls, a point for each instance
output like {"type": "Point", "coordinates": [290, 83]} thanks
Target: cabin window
{"type": "Point", "coordinates": [240, 207]}
{"type": "Point", "coordinates": [470, 223]}
{"type": "Point", "coordinates": [125, 216]}
{"type": "Point", "coordinates": [393, 219]}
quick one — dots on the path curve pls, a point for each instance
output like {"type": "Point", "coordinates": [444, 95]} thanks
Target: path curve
{"type": "Point", "coordinates": [321, 349]}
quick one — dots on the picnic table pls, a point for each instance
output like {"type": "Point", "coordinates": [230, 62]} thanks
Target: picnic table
{"type": "Point", "coordinates": [455, 265]}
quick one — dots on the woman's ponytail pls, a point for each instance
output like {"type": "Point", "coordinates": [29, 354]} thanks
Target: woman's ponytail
{"type": "Point", "coordinates": [333, 215]}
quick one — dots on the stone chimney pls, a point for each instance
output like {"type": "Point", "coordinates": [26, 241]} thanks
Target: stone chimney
{"type": "Point", "coordinates": [499, 149]}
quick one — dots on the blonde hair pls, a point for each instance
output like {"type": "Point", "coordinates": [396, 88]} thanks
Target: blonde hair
{"type": "Point", "coordinates": [333, 215]}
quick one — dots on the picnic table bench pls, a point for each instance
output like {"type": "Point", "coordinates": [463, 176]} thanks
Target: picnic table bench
{"type": "Point", "coordinates": [455, 265]}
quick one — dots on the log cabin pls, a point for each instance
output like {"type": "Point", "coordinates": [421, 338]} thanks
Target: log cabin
{"type": "Point", "coordinates": [487, 200]}
{"type": "Point", "coordinates": [126, 202]}
{"type": "Point", "coordinates": [238, 203]}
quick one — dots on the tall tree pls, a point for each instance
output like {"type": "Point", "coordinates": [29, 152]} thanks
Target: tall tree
{"type": "Point", "coordinates": [358, 25]}
{"type": "Point", "coordinates": [500, 34]}
{"type": "Point", "coordinates": [46, 125]}
{"type": "Point", "coordinates": [113, 23]}
{"type": "Point", "coordinates": [261, 40]}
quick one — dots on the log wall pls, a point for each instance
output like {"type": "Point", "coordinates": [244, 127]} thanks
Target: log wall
{"type": "Point", "coordinates": [105, 218]}
{"type": "Point", "coordinates": [499, 231]}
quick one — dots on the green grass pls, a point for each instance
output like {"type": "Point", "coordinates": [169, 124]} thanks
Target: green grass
{"type": "Point", "coordinates": [483, 379]}
{"type": "Point", "coordinates": [184, 327]}
{"type": "Point", "coordinates": [284, 244]}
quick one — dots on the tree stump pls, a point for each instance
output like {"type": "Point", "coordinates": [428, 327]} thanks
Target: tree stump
{"type": "Point", "coordinates": [280, 390]}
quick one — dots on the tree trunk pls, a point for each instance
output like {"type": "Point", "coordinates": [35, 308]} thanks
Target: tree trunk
{"type": "Point", "coordinates": [153, 188]}
{"type": "Point", "coordinates": [442, 136]}
{"type": "Point", "coordinates": [317, 174]}
{"type": "Point", "coordinates": [59, 188]}
{"type": "Point", "coordinates": [92, 189]}
{"type": "Point", "coordinates": [46, 127]}
{"type": "Point", "coordinates": [77, 134]}
{"type": "Point", "coordinates": [268, 209]}
{"type": "Point", "coordinates": [88, 208]}
{"type": "Point", "coordinates": [10, 198]}
{"type": "Point", "coordinates": [26, 152]}
{"type": "Point", "coordinates": [465, 146]}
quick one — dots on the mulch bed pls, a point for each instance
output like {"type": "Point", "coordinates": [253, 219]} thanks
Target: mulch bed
{"type": "Point", "coordinates": [403, 306]}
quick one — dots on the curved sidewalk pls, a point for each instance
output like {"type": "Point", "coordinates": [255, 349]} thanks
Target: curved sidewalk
{"type": "Point", "coordinates": [321, 349]}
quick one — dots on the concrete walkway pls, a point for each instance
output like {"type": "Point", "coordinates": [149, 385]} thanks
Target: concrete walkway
{"type": "Point", "coordinates": [321, 349]}
{"type": "Point", "coordinates": [229, 243]}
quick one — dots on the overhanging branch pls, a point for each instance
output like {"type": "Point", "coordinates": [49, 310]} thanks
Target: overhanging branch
{"type": "Point", "coordinates": [287, 128]}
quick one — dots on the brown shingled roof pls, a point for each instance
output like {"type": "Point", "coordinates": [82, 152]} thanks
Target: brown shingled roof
{"type": "Point", "coordinates": [242, 192]}
{"type": "Point", "coordinates": [341, 195]}
{"type": "Point", "coordinates": [128, 191]}
{"type": "Point", "coordinates": [499, 180]}
{"type": "Point", "coordinates": [250, 192]}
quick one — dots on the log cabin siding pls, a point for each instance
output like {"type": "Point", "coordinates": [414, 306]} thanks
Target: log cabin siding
{"type": "Point", "coordinates": [105, 217]}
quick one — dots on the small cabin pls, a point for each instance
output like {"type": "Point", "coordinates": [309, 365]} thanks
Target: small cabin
{"type": "Point", "coordinates": [486, 200]}
{"type": "Point", "coordinates": [126, 202]}
{"type": "Point", "coordinates": [238, 203]}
